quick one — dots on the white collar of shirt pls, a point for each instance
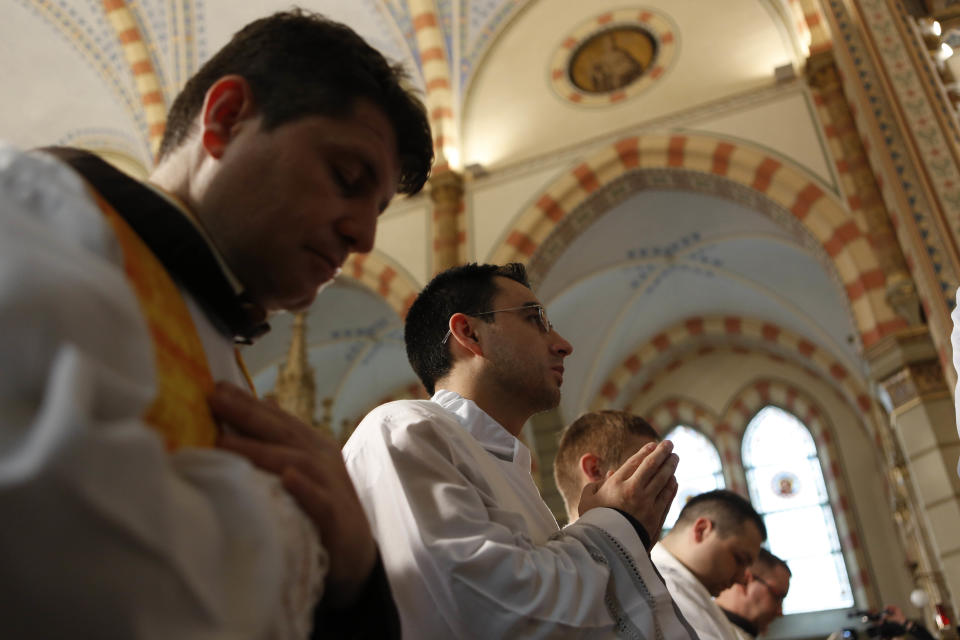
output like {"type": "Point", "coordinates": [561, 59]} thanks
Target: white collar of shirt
{"type": "Point", "coordinates": [491, 435]}
{"type": "Point", "coordinates": [666, 560]}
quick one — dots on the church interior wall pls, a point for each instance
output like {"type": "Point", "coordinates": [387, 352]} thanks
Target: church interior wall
{"type": "Point", "coordinates": [523, 141]}
{"type": "Point", "coordinates": [714, 380]}
{"type": "Point", "coordinates": [403, 234]}
{"type": "Point", "coordinates": [540, 114]}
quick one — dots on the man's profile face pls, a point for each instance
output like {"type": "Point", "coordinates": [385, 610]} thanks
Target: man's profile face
{"type": "Point", "coordinates": [286, 206]}
{"type": "Point", "coordinates": [526, 361]}
{"type": "Point", "coordinates": [725, 559]}
{"type": "Point", "coordinates": [766, 596]}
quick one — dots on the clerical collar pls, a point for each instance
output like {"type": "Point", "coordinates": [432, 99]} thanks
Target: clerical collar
{"type": "Point", "coordinates": [174, 238]}
{"type": "Point", "coordinates": [182, 207]}
{"type": "Point", "coordinates": [741, 622]}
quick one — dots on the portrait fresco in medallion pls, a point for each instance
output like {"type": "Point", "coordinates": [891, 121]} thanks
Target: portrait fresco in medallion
{"type": "Point", "coordinates": [612, 59]}
{"type": "Point", "coordinates": [613, 56]}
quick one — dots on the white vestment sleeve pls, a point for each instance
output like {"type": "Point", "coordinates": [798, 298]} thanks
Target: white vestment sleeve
{"type": "Point", "coordinates": [105, 534]}
{"type": "Point", "coordinates": [454, 550]}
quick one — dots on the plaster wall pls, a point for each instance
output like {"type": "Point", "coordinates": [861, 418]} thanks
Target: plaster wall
{"type": "Point", "coordinates": [403, 234]}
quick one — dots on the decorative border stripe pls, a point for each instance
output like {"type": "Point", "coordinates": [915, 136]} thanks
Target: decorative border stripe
{"type": "Point", "coordinates": [785, 184]}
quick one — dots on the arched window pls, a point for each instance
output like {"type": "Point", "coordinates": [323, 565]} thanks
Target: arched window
{"type": "Point", "coordinates": [699, 470]}
{"type": "Point", "coordinates": [787, 488]}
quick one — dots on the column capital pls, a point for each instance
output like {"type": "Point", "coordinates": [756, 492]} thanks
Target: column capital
{"type": "Point", "coordinates": [895, 351]}
{"type": "Point", "coordinates": [446, 187]}
{"type": "Point", "coordinates": [821, 72]}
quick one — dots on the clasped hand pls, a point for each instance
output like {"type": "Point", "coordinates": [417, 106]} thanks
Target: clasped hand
{"type": "Point", "coordinates": [311, 467]}
{"type": "Point", "coordinates": [644, 486]}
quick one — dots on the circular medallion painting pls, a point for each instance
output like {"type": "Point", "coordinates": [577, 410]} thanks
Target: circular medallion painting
{"type": "Point", "coordinates": [613, 56]}
{"type": "Point", "coordinates": [612, 59]}
{"type": "Point", "coordinates": [785, 484]}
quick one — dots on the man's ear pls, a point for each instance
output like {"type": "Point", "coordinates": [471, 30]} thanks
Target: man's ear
{"type": "Point", "coordinates": [228, 103]}
{"type": "Point", "coordinates": [590, 467]}
{"type": "Point", "coordinates": [462, 334]}
{"type": "Point", "coordinates": [701, 528]}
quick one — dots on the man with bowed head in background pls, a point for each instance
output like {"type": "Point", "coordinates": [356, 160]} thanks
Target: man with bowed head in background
{"type": "Point", "coordinates": [128, 511]}
{"type": "Point", "coordinates": [715, 540]}
{"type": "Point", "coordinates": [469, 546]}
{"type": "Point", "coordinates": [753, 605]}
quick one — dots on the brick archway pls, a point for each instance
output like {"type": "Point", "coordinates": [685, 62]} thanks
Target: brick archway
{"type": "Point", "coordinates": [771, 185]}
{"type": "Point", "coordinates": [385, 277]}
{"type": "Point", "coordinates": [679, 410]}
{"type": "Point", "coordinates": [688, 333]}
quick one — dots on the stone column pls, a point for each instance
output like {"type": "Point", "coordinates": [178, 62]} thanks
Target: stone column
{"type": "Point", "coordinates": [446, 192]}
{"type": "Point", "coordinates": [921, 449]}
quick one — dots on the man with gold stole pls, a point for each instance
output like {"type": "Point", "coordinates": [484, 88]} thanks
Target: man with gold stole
{"type": "Point", "coordinates": [130, 508]}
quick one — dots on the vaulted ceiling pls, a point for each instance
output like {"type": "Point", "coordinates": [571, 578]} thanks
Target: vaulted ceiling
{"type": "Point", "coordinates": [658, 258]}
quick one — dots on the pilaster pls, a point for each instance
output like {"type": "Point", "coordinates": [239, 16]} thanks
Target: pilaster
{"type": "Point", "coordinates": [921, 448]}
{"type": "Point", "coordinates": [449, 235]}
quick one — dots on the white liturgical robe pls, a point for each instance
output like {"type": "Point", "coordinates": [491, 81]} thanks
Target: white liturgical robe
{"type": "Point", "coordinates": [695, 602]}
{"type": "Point", "coordinates": [471, 549]}
{"type": "Point", "coordinates": [105, 534]}
{"type": "Point", "coordinates": [955, 341]}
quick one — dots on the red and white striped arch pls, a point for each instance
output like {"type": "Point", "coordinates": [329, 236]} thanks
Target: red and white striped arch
{"type": "Point", "coordinates": [691, 332]}
{"type": "Point", "coordinates": [382, 275]}
{"type": "Point", "coordinates": [434, 62]}
{"type": "Point", "coordinates": [134, 47]}
{"type": "Point", "coordinates": [676, 411]}
{"type": "Point", "coordinates": [726, 433]}
{"type": "Point", "coordinates": [822, 214]}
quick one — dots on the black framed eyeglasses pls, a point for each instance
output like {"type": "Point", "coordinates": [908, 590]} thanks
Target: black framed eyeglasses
{"type": "Point", "coordinates": [545, 325]}
{"type": "Point", "coordinates": [773, 592]}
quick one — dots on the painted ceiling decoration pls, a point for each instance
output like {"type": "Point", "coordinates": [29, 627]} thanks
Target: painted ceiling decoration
{"type": "Point", "coordinates": [722, 205]}
{"type": "Point", "coordinates": [125, 60]}
{"type": "Point", "coordinates": [613, 56]}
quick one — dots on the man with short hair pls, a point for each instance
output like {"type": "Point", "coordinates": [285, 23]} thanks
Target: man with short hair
{"type": "Point", "coordinates": [715, 540]}
{"type": "Point", "coordinates": [120, 306]}
{"type": "Point", "coordinates": [593, 445]}
{"type": "Point", "coordinates": [752, 606]}
{"type": "Point", "coordinates": [469, 545]}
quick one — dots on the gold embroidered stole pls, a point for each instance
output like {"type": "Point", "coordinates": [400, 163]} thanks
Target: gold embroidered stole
{"type": "Point", "coordinates": [179, 412]}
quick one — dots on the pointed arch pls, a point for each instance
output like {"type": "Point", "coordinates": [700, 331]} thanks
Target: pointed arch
{"type": "Point", "coordinates": [763, 182]}
{"type": "Point", "coordinates": [689, 333]}
{"type": "Point", "coordinates": [744, 406]}
{"type": "Point", "coordinates": [679, 410]}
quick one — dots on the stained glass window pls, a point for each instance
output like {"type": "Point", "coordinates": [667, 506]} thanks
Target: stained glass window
{"type": "Point", "coordinates": [699, 469]}
{"type": "Point", "coordinates": [787, 488]}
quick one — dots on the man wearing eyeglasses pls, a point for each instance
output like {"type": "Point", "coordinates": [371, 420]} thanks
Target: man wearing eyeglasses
{"type": "Point", "coordinates": [751, 607]}
{"type": "Point", "coordinates": [470, 548]}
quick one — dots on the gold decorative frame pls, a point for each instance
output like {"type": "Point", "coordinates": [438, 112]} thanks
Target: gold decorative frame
{"type": "Point", "coordinates": [660, 29]}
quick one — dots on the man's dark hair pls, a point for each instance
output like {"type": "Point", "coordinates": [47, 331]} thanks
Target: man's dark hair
{"type": "Point", "coordinates": [467, 289]}
{"type": "Point", "coordinates": [727, 510]}
{"type": "Point", "coordinates": [767, 562]}
{"type": "Point", "coordinates": [602, 433]}
{"type": "Point", "coordinates": [301, 64]}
